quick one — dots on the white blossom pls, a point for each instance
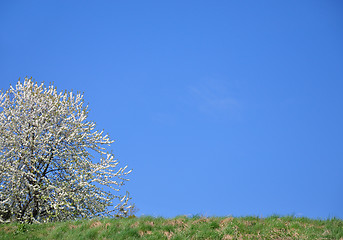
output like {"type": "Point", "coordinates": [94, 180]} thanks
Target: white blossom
{"type": "Point", "coordinates": [46, 168]}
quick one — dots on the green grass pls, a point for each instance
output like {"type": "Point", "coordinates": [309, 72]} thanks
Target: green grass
{"type": "Point", "coordinates": [181, 227]}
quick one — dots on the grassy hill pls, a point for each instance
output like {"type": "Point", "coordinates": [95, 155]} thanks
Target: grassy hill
{"type": "Point", "coordinates": [179, 228]}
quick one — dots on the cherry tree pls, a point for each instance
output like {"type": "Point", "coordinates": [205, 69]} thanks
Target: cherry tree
{"type": "Point", "coordinates": [46, 168]}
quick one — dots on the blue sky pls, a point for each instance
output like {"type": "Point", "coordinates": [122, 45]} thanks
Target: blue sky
{"type": "Point", "coordinates": [219, 107]}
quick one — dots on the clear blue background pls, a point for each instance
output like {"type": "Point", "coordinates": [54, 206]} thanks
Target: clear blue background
{"type": "Point", "coordinates": [219, 107]}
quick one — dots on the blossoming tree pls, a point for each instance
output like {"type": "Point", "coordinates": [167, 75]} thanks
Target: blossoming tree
{"type": "Point", "coordinates": [46, 168]}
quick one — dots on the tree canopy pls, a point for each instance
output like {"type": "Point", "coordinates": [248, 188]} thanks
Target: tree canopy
{"type": "Point", "coordinates": [47, 170]}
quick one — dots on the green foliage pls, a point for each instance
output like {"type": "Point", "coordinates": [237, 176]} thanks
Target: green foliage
{"type": "Point", "coordinates": [21, 228]}
{"type": "Point", "coordinates": [181, 227]}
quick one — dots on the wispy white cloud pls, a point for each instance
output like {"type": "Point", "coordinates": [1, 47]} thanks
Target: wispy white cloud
{"type": "Point", "coordinates": [212, 96]}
